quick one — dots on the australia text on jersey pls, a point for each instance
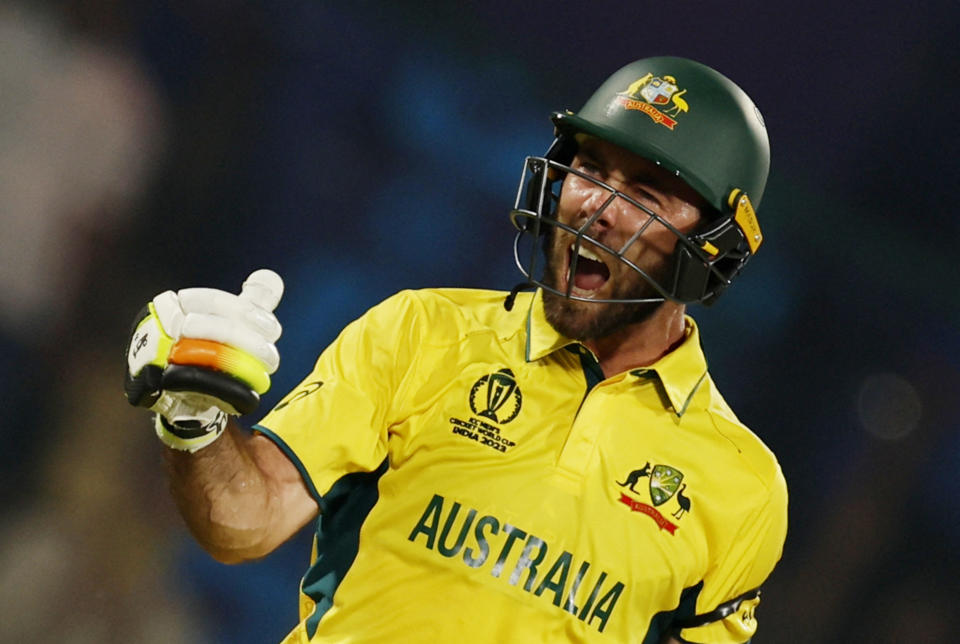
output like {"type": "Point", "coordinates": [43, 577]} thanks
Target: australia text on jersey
{"type": "Point", "coordinates": [556, 584]}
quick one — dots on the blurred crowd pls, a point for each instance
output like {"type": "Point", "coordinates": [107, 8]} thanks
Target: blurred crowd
{"type": "Point", "coordinates": [362, 149]}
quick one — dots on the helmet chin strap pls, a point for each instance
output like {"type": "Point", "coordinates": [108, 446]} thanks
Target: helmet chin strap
{"type": "Point", "coordinates": [511, 298]}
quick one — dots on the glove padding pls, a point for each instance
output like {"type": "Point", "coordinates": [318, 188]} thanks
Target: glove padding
{"type": "Point", "coordinates": [199, 354]}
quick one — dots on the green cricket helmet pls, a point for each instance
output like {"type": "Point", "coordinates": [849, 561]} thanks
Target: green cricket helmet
{"type": "Point", "coordinates": [690, 120]}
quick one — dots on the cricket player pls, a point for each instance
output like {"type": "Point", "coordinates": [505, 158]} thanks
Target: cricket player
{"type": "Point", "coordinates": [553, 464]}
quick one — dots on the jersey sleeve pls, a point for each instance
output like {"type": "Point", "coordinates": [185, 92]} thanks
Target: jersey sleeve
{"type": "Point", "coordinates": [726, 597]}
{"type": "Point", "coordinates": [336, 421]}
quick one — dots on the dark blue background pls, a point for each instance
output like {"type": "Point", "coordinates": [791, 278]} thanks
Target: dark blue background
{"type": "Point", "coordinates": [361, 148]}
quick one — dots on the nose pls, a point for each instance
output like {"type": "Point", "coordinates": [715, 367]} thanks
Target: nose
{"type": "Point", "coordinates": [600, 210]}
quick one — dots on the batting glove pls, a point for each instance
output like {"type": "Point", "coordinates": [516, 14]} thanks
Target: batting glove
{"type": "Point", "coordinates": [199, 355]}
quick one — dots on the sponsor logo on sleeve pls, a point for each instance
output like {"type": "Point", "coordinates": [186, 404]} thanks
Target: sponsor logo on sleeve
{"type": "Point", "coordinates": [299, 394]}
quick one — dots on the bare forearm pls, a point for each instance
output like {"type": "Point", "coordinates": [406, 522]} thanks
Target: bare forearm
{"type": "Point", "coordinates": [232, 506]}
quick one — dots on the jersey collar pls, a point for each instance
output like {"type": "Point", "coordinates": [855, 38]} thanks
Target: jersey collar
{"type": "Point", "coordinates": [681, 372]}
{"type": "Point", "coordinates": [542, 338]}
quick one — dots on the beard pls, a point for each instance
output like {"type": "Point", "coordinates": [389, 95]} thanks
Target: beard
{"type": "Point", "coordinates": [580, 320]}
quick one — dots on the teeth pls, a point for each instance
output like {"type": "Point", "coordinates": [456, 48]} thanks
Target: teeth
{"type": "Point", "coordinates": [584, 252]}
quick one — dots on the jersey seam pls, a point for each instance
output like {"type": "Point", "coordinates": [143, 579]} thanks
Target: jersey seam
{"type": "Point", "coordinates": [767, 484]}
{"type": "Point", "coordinates": [420, 317]}
{"type": "Point", "coordinates": [304, 474]}
{"type": "Point", "coordinates": [404, 383]}
{"type": "Point", "coordinates": [471, 325]}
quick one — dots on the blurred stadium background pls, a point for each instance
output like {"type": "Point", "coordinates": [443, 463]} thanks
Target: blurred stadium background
{"type": "Point", "coordinates": [361, 148]}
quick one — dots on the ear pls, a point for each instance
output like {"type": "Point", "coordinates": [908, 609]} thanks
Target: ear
{"type": "Point", "coordinates": [723, 245]}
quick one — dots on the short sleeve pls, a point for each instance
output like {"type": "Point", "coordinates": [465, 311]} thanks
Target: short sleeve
{"type": "Point", "coordinates": [747, 562]}
{"type": "Point", "coordinates": [336, 421]}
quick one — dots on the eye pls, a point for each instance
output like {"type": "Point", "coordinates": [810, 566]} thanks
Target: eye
{"type": "Point", "coordinates": [589, 167]}
{"type": "Point", "coordinates": [640, 193]}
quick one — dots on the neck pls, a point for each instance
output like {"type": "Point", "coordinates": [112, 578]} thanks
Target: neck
{"type": "Point", "coordinates": [643, 343]}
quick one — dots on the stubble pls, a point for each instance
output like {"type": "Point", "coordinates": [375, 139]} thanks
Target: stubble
{"type": "Point", "coordinates": [580, 320]}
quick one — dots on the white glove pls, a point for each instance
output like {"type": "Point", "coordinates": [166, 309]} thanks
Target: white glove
{"type": "Point", "coordinates": [197, 355]}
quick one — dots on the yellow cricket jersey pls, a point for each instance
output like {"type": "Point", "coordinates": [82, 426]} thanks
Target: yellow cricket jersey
{"type": "Point", "coordinates": [480, 481]}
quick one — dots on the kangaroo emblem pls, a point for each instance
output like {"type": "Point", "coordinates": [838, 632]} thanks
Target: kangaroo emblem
{"type": "Point", "coordinates": [634, 476]}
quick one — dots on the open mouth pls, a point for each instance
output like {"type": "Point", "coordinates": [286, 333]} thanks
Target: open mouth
{"type": "Point", "coordinates": [591, 273]}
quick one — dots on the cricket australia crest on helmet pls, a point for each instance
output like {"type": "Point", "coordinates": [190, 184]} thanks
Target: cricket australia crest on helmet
{"type": "Point", "coordinates": [659, 97]}
{"type": "Point", "coordinates": [686, 117]}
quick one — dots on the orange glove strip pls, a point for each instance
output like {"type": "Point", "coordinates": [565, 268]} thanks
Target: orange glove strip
{"type": "Point", "coordinates": [221, 357]}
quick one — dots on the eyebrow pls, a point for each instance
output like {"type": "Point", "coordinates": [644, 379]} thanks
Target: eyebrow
{"type": "Point", "coordinates": [589, 147]}
{"type": "Point", "coordinates": [592, 150]}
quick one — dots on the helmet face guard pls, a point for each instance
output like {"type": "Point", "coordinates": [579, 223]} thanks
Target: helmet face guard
{"type": "Point", "coordinates": [703, 263]}
{"type": "Point", "coordinates": [694, 123]}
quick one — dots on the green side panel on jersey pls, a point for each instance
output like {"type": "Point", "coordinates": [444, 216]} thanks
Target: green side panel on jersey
{"type": "Point", "coordinates": [661, 622]}
{"type": "Point", "coordinates": [342, 512]}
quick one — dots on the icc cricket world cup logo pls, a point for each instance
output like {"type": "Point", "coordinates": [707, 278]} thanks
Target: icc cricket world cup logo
{"type": "Point", "coordinates": [496, 397]}
{"type": "Point", "coordinates": [494, 400]}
